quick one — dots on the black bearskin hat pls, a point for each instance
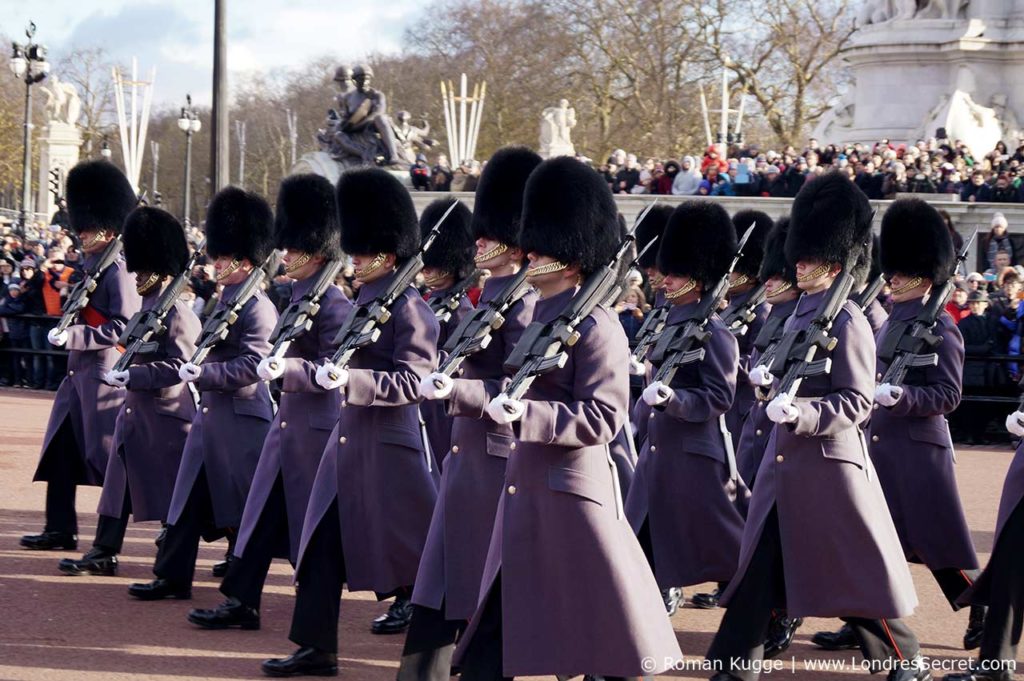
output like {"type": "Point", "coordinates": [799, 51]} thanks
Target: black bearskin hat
{"type": "Point", "coordinates": [830, 222]}
{"type": "Point", "coordinates": [915, 242]}
{"type": "Point", "coordinates": [239, 224]}
{"type": "Point", "coordinates": [498, 206]}
{"type": "Point", "coordinates": [774, 263]}
{"type": "Point", "coordinates": [453, 249]}
{"type": "Point", "coordinates": [652, 226]}
{"type": "Point", "coordinates": [154, 242]}
{"type": "Point", "coordinates": [569, 214]}
{"type": "Point", "coordinates": [376, 214]}
{"type": "Point", "coordinates": [699, 242]}
{"type": "Point", "coordinates": [99, 197]}
{"type": "Point", "coordinates": [753, 251]}
{"type": "Point", "coordinates": [307, 217]}
{"type": "Point", "coordinates": [868, 266]}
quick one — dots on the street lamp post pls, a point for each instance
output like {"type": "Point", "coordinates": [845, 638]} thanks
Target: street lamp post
{"type": "Point", "coordinates": [189, 124]}
{"type": "Point", "coordinates": [28, 63]}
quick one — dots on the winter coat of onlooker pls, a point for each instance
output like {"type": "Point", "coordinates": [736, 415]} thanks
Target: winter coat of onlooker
{"type": "Point", "coordinates": [688, 180]}
{"type": "Point", "coordinates": [976, 189]}
{"type": "Point", "coordinates": [998, 239]}
{"type": "Point", "coordinates": [1003, 191]}
{"type": "Point", "coordinates": [663, 183]}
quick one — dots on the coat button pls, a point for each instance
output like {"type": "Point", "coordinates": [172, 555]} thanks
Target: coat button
{"type": "Point", "coordinates": [780, 458]}
{"type": "Point", "coordinates": [512, 446]}
{"type": "Point", "coordinates": [284, 424]}
{"type": "Point", "coordinates": [875, 406]}
{"type": "Point", "coordinates": [128, 410]}
{"type": "Point", "coordinates": [651, 416]}
{"type": "Point", "coordinates": [71, 373]}
{"type": "Point", "coordinates": [511, 489]}
{"type": "Point", "coordinates": [654, 448]}
{"type": "Point", "coordinates": [874, 438]}
{"type": "Point", "coordinates": [878, 377]}
{"type": "Point", "coordinates": [206, 410]}
{"type": "Point", "coordinates": [344, 403]}
{"type": "Point", "coordinates": [342, 440]}
{"type": "Point", "coordinates": [759, 432]}
{"type": "Point", "coordinates": [455, 449]}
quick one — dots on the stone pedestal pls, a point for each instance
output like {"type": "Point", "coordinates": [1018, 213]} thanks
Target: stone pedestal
{"type": "Point", "coordinates": [58, 150]}
{"type": "Point", "coordinates": [914, 75]}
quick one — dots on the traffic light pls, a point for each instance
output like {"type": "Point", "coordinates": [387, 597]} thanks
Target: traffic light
{"type": "Point", "coordinates": [55, 183]}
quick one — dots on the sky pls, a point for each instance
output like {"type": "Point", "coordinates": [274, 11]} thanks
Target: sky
{"type": "Point", "coordinates": [176, 36]}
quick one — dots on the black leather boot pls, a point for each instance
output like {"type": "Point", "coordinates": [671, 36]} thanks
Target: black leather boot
{"type": "Point", "coordinates": [781, 632]}
{"type": "Point", "coordinates": [99, 561]}
{"type": "Point", "coordinates": [706, 601]}
{"type": "Point", "coordinates": [230, 613]}
{"type": "Point", "coordinates": [396, 620]}
{"type": "Point", "coordinates": [843, 639]}
{"type": "Point", "coordinates": [306, 661]}
{"type": "Point", "coordinates": [50, 541]}
{"type": "Point", "coordinates": [160, 589]}
{"type": "Point", "coordinates": [220, 569]}
{"type": "Point", "coordinates": [975, 627]}
{"type": "Point", "coordinates": [916, 670]}
{"type": "Point", "coordinates": [672, 597]}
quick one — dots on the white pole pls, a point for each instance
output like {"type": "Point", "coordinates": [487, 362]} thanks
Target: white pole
{"type": "Point", "coordinates": [463, 130]}
{"type": "Point", "coordinates": [479, 116]}
{"type": "Point", "coordinates": [454, 160]}
{"type": "Point", "coordinates": [725, 115]}
{"type": "Point", "coordinates": [739, 115]}
{"type": "Point", "coordinates": [447, 119]}
{"type": "Point", "coordinates": [470, 144]}
{"type": "Point", "coordinates": [122, 123]}
{"type": "Point", "coordinates": [133, 131]}
{"type": "Point", "coordinates": [144, 123]}
{"type": "Point", "coordinates": [704, 113]}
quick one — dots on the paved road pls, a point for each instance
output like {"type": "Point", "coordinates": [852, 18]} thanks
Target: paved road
{"type": "Point", "coordinates": [58, 628]}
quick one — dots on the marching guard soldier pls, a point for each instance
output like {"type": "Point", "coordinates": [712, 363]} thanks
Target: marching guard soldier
{"type": "Point", "coordinates": [306, 227]}
{"type": "Point", "coordinates": [559, 537]}
{"type": "Point", "coordinates": [80, 432]}
{"type": "Point", "coordinates": [158, 408]}
{"type": "Point", "coordinates": [448, 580]}
{"type": "Point", "coordinates": [446, 265]}
{"type": "Point", "coordinates": [817, 480]}
{"type": "Point", "coordinates": [374, 492]}
{"type": "Point", "coordinates": [909, 439]}
{"type": "Point", "coordinates": [683, 503]}
{"type": "Point", "coordinates": [235, 411]}
{"type": "Point", "coordinates": [1001, 585]}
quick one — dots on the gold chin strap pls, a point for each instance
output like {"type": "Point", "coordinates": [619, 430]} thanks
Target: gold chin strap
{"type": "Point", "coordinates": [100, 236]}
{"type": "Point", "coordinates": [814, 274]}
{"type": "Point", "coordinates": [374, 265]}
{"type": "Point", "coordinates": [655, 282]}
{"type": "Point", "coordinates": [147, 286]}
{"type": "Point", "coordinates": [740, 281]}
{"type": "Point", "coordinates": [297, 263]}
{"type": "Point", "coordinates": [912, 284]}
{"type": "Point", "coordinates": [430, 281]}
{"type": "Point", "coordinates": [782, 289]}
{"type": "Point", "coordinates": [555, 266]}
{"type": "Point", "coordinates": [229, 270]}
{"type": "Point", "coordinates": [681, 291]}
{"type": "Point", "coordinates": [493, 253]}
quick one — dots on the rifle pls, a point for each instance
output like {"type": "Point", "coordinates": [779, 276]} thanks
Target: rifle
{"type": "Point", "coordinates": [649, 332]}
{"type": "Point", "coordinates": [362, 328]}
{"type": "Point", "coordinates": [870, 292]}
{"type": "Point", "coordinates": [738, 317]}
{"type": "Point", "coordinates": [474, 332]}
{"type": "Point", "coordinates": [794, 355]}
{"type": "Point", "coordinates": [683, 343]}
{"type": "Point", "coordinates": [78, 299]}
{"type": "Point", "coordinates": [444, 306]}
{"type": "Point", "coordinates": [916, 346]}
{"type": "Point", "coordinates": [217, 326]}
{"type": "Point", "coordinates": [542, 347]}
{"type": "Point", "coordinates": [297, 318]}
{"type": "Point", "coordinates": [145, 326]}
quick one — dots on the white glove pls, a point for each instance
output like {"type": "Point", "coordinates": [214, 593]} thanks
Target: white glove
{"type": "Point", "coordinates": [781, 409]}
{"type": "Point", "coordinates": [58, 338]}
{"type": "Point", "coordinates": [436, 386]}
{"type": "Point", "coordinates": [270, 369]}
{"type": "Point", "coordinates": [1013, 423]}
{"type": "Point", "coordinates": [503, 409]}
{"type": "Point", "coordinates": [118, 379]}
{"type": "Point", "coordinates": [657, 393]}
{"type": "Point", "coordinates": [331, 377]}
{"type": "Point", "coordinates": [760, 377]}
{"type": "Point", "coordinates": [636, 367]}
{"type": "Point", "coordinates": [887, 394]}
{"type": "Point", "coordinates": [189, 372]}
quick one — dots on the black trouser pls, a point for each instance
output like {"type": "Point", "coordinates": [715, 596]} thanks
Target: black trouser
{"type": "Point", "coordinates": [483, 659]}
{"type": "Point", "coordinates": [644, 538]}
{"type": "Point", "coordinates": [176, 559]}
{"type": "Point", "coordinates": [64, 468]}
{"type": "Point", "coordinates": [429, 645]}
{"type": "Point", "coordinates": [248, 573]}
{"type": "Point", "coordinates": [1005, 574]}
{"type": "Point", "coordinates": [953, 582]}
{"type": "Point", "coordinates": [110, 531]}
{"type": "Point", "coordinates": [745, 624]}
{"type": "Point", "coordinates": [320, 579]}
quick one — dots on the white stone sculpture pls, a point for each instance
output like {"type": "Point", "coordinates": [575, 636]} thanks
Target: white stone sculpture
{"type": "Point", "coordinates": [63, 105]}
{"type": "Point", "coordinates": [555, 126]}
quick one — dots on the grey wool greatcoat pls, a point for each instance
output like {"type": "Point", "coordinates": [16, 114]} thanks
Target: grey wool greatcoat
{"type": "Point", "coordinates": [375, 462]}
{"type": "Point", "coordinates": [682, 487]}
{"type": "Point", "coordinates": [153, 422]}
{"type": "Point", "coordinates": [744, 402]}
{"type": "Point", "coordinates": [913, 453]}
{"type": "Point", "coordinates": [305, 416]}
{"type": "Point", "coordinates": [757, 426]}
{"type": "Point", "coordinates": [439, 424]}
{"type": "Point", "coordinates": [473, 476]}
{"type": "Point", "coordinates": [234, 415]}
{"type": "Point", "coordinates": [876, 315]}
{"type": "Point", "coordinates": [839, 546]}
{"type": "Point", "coordinates": [84, 403]}
{"type": "Point", "coordinates": [560, 538]}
